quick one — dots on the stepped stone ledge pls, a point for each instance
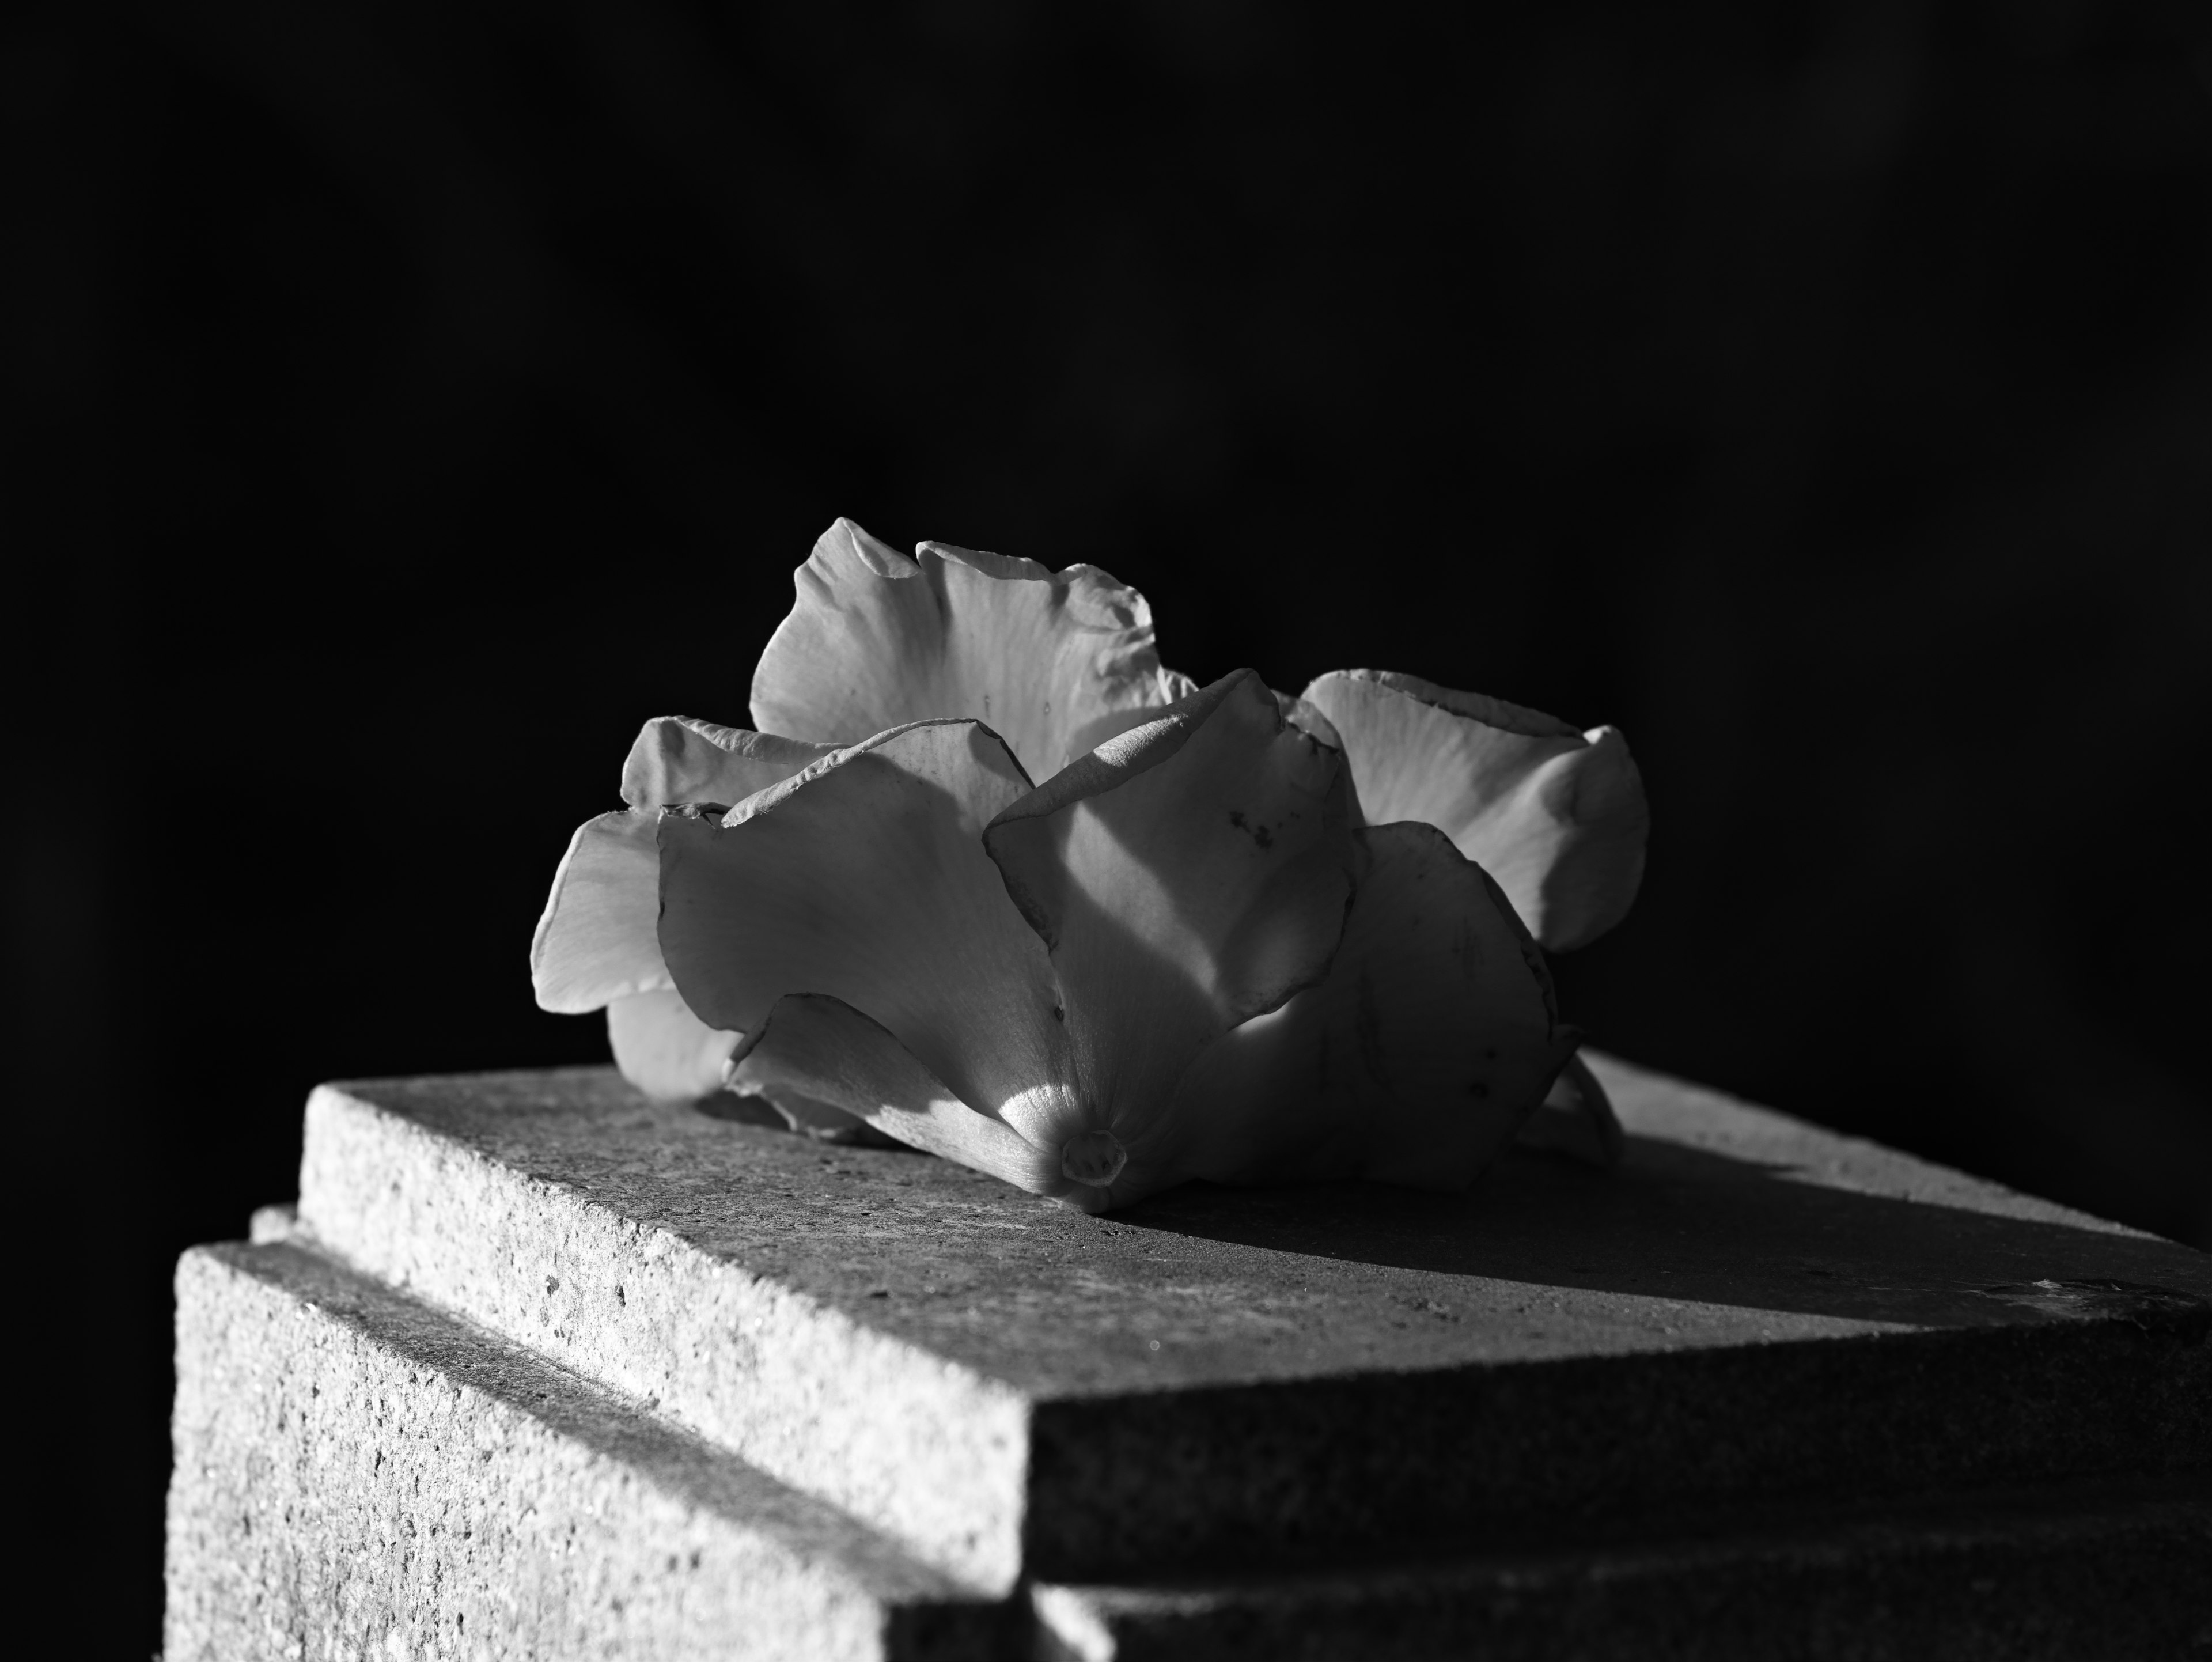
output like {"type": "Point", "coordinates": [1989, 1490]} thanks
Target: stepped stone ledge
{"type": "Point", "coordinates": [1148, 1431]}
{"type": "Point", "coordinates": [1007, 1385]}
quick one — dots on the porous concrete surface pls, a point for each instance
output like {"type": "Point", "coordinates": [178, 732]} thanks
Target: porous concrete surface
{"type": "Point", "coordinates": [2123, 1574]}
{"type": "Point", "coordinates": [358, 1476]}
{"type": "Point", "coordinates": [1750, 1307]}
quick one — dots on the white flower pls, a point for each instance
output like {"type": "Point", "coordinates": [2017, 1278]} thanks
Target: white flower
{"type": "Point", "coordinates": [1182, 955]}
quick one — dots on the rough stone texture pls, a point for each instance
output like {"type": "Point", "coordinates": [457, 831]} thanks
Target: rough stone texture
{"type": "Point", "coordinates": [575, 1228]}
{"type": "Point", "coordinates": [1750, 1309]}
{"type": "Point", "coordinates": [357, 1476]}
{"type": "Point", "coordinates": [2125, 1575]}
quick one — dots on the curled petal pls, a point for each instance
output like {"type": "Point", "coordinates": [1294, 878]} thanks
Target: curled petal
{"type": "Point", "coordinates": [822, 1052]}
{"type": "Point", "coordinates": [677, 760]}
{"type": "Point", "coordinates": [1172, 688]}
{"type": "Point", "coordinates": [1577, 1120]}
{"type": "Point", "coordinates": [812, 1117]}
{"type": "Point", "coordinates": [1308, 719]}
{"type": "Point", "coordinates": [864, 878]}
{"type": "Point", "coordinates": [1558, 817]}
{"type": "Point", "coordinates": [596, 940]}
{"type": "Point", "coordinates": [1186, 876]}
{"type": "Point", "coordinates": [875, 640]}
{"type": "Point", "coordinates": [664, 1049]}
{"type": "Point", "coordinates": [1432, 1039]}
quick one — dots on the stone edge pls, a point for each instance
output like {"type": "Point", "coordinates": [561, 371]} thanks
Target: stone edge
{"type": "Point", "coordinates": [2099, 1568]}
{"type": "Point", "coordinates": [928, 1451]}
{"type": "Point", "coordinates": [808, 1569]}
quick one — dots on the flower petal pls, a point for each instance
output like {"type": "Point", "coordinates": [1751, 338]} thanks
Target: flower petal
{"type": "Point", "coordinates": [677, 760]}
{"type": "Point", "coordinates": [1308, 719]}
{"type": "Point", "coordinates": [1577, 1120]}
{"type": "Point", "coordinates": [596, 939]}
{"type": "Point", "coordinates": [875, 640]}
{"type": "Point", "coordinates": [825, 1052]}
{"type": "Point", "coordinates": [1558, 817]}
{"type": "Point", "coordinates": [1186, 876]}
{"type": "Point", "coordinates": [1433, 1037]}
{"type": "Point", "coordinates": [664, 1049]}
{"type": "Point", "coordinates": [811, 1118]}
{"type": "Point", "coordinates": [864, 878]}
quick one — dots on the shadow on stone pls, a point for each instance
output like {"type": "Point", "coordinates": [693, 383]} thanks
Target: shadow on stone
{"type": "Point", "coordinates": [1681, 1223]}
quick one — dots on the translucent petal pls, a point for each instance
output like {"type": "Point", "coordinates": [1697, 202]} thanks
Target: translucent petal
{"type": "Point", "coordinates": [678, 760]}
{"type": "Point", "coordinates": [1308, 719]}
{"type": "Point", "coordinates": [864, 878]}
{"type": "Point", "coordinates": [598, 939]}
{"type": "Point", "coordinates": [1577, 1120]}
{"type": "Point", "coordinates": [875, 640]}
{"type": "Point", "coordinates": [1558, 817]}
{"type": "Point", "coordinates": [595, 942]}
{"type": "Point", "coordinates": [664, 1049]}
{"type": "Point", "coordinates": [809, 1118]}
{"type": "Point", "coordinates": [1186, 876]}
{"type": "Point", "coordinates": [827, 1052]}
{"type": "Point", "coordinates": [1433, 1037]}
{"type": "Point", "coordinates": [778, 1108]}
{"type": "Point", "coordinates": [1173, 688]}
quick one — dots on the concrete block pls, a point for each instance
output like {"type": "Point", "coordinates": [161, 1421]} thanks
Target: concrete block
{"type": "Point", "coordinates": [2120, 1573]}
{"type": "Point", "coordinates": [358, 1476]}
{"type": "Point", "coordinates": [1750, 1309]}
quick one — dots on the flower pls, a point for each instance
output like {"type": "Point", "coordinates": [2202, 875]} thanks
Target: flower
{"type": "Point", "coordinates": [1055, 662]}
{"type": "Point", "coordinates": [1229, 935]}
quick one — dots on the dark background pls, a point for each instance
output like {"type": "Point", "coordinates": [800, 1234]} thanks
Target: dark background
{"type": "Point", "coordinates": [406, 401]}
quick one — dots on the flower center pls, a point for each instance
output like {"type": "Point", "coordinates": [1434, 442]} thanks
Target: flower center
{"type": "Point", "coordinates": [1093, 1157]}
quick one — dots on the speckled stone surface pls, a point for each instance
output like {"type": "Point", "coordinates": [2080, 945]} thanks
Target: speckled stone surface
{"type": "Point", "coordinates": [1750, 1308]}
{"type": "Point", "coordinates": [357, 1476]}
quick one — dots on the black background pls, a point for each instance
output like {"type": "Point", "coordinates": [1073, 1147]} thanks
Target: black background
{"type": "Point", "coordinates": [407, 400]}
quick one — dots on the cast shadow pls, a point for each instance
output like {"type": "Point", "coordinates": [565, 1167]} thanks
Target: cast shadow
{"type": "Point", "coordinates": [1680, 1223]}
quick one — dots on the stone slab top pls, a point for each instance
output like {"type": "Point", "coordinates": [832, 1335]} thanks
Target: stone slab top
{"type": "Point", "coordinates": [1748, 1308]}
{"type": "Point", "coordinates": [1727, 1225]}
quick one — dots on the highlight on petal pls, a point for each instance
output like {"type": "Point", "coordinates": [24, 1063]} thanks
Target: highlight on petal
{"type": "Point", "coordinates": [822, 1052]}
{"type": "Point", "coordinates": [1186, 876]}
{"type": "Point", "coordinates": [1558, 817]}
{"type": "Point", "coordinates": [1050, 661]}
{"type": "Point", "coordinates": [864, 878]}
{"type": "Point", "coordinates": [596, 941]}
{"type": "Point", "coordinates": [1432, 1039]}
{"type": "Point", "coordinates": [664, 1049]}
{"type": "Point", "coordinates": [677, 760]}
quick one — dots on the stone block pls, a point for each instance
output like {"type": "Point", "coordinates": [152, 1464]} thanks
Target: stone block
{"type": "Point", "coordinates": [359, 1477]}
{"type": "Point", "coordinates": [1750, 1310]}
